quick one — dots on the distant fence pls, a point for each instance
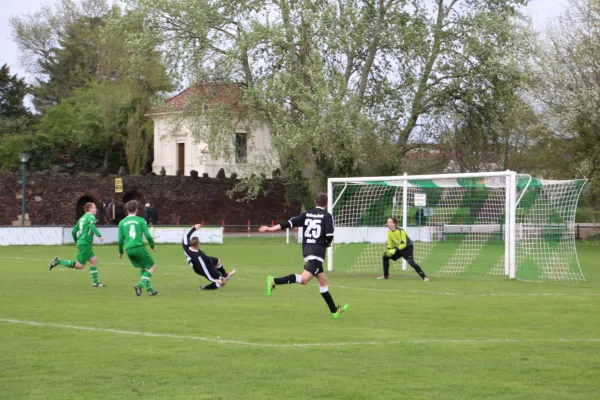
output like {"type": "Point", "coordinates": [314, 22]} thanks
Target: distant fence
{"type": "Point", "coordinates": [585, 230]}
{"type": "Point", "coordinates": [59, 235]}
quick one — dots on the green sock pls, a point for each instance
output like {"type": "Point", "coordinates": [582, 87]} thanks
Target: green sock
{"type": "Point", "coordinates": [146, 281]}
{"type": "Point", "coordinates": [67, 263]}
{"type": "Point", "coordinates": [94, 272]}
{"type": "Point", "coordinates": [142, 282]}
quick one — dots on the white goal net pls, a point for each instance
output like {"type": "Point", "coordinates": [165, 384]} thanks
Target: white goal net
{"type": "Point", "coordinates": [486, 224]}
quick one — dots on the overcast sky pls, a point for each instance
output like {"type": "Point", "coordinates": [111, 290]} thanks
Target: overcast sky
{"type": "Point", "coordinates": [540, 11]}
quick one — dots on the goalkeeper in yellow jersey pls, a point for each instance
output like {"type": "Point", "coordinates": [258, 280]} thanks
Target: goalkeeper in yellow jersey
{"type": "Point", "coordinates": [399, 246]}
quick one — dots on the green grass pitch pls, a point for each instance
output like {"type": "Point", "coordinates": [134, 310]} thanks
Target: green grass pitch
{"type": "Point", "coordinates": [451, 338]}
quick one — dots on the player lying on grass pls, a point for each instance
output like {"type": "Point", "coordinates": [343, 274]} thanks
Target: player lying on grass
{"type": "Point", "coordinates": [317, 236]}
{"type": "Point", "coordinates": [399, 246]}
{"type": "Point", "coordinates": [83, 234]}
{"type": "Point", "coordinates": [132, 230]}
{"type": "Point", "coordinates": [206, 266]}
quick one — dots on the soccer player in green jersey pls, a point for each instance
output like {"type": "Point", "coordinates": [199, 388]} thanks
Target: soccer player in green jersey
{"type": "Point", "coordinates": [131, 231]}
{"type": "Point", "coordinates": [399, 246]}
{"type": "Point", "coordinates": [83, 235]}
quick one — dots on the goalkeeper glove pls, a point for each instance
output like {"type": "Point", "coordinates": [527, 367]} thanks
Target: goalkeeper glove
{"type": "Point", "coordinates": [390, 252]}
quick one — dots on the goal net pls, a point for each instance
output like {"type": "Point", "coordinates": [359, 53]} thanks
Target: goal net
{"type": "Point", "coordinates": [480, 224]}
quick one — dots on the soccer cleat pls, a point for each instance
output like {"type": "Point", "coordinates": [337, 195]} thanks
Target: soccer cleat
{"type": "Point", "coordinates": [138, 290]}
{"type": "Point", "coordinates": [53, 264]}
{"type": "Point", "coordinates": [98, 285]}
{"type": "Point", "coordinates": [426, 279]}
{"type": "Point", "coordinates": [230, 274]}
{"type": "Point", "coordinates": [340, 310]}
{"type": "Point", "coordinates": [270, 285]}
{"type": "Point", "coordinates": [153, 293]}
{"type": "Point", "coordinates": [382, 277]}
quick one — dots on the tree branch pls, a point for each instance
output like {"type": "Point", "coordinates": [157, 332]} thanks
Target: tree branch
{"type": "Point", "coordinates": [373, 47]}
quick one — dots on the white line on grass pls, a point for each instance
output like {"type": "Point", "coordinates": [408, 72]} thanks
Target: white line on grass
{"type": "Point", "coordinates": [300, 345]}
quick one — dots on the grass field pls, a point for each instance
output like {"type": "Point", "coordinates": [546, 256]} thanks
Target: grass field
{"type": "Point", "coordinates": [451, 338]}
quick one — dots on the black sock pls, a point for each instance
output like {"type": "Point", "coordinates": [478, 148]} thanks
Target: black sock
{"type": "Point", "coordinates": [285, 279]}
{"type": "Point", "coordinates": [212, 286]}
{"type": "Point", "coordinates": [329, 300]}
{"type": "Point", "coordinates": [417, 269]}
{"type": "Point", "coordinates": [221, 269]}
{"type": "Point", "coordinates": [386, 266]}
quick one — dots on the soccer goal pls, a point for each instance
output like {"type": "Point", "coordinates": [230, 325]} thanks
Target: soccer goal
{"type": "Point", "coordinates": [493, 224]}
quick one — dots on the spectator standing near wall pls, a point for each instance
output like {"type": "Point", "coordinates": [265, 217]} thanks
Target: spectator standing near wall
{"type": "Point", "coordinates": [150, 214]}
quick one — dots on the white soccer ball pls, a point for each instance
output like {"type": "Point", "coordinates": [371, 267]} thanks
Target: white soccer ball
{"type": "Point", "coordinates": [203, 147]}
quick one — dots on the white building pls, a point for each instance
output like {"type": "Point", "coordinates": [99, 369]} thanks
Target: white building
{"type": "Point", "coordinates": [176, 149]}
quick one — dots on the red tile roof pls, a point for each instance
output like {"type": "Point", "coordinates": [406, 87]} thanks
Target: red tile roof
{"type": "Point", "coordinates": [206, 93]}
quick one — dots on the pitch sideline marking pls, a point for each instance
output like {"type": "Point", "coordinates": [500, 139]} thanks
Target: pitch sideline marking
{"type": "Point", "coordinates": [299, 345]}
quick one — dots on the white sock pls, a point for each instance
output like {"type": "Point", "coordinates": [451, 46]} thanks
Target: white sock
{"type": "Point", "coordinates": [298, 278]}
{"type": "Point", "coordinates": [324, 289]}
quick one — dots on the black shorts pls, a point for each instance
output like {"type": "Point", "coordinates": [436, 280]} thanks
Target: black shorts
{"type": "Point", "coordinates": [406, 253]}
{"type": "Point", "coordinates": [213, 260]}
{"type": "Point", "coordinates": [206, 266]}
{"type": "Point", "coordinates": [315, 267]}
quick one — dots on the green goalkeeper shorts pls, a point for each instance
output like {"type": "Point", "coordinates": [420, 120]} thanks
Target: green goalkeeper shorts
{"type": "Point", "coordinates": [84, 253]}
{"type": "Point", "coordinates": [140, 257]}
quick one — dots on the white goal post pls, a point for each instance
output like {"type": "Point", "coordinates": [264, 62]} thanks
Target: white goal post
{"type": "Point", "coordinates": [487, 223]}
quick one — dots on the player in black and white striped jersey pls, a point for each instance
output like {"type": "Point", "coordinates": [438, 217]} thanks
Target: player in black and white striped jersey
{"type": "Point", "coordinates": [206, 266]}
{"type": "Point", "coordinates": [317, 235]}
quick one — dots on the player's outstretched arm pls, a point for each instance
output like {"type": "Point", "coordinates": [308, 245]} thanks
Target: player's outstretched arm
{"type": "Point", "coordinates": [293, 222]}
{"type": "Point", "coordinates": [188, 235]}
{"type": "Point", "coordinates": [273, 228]}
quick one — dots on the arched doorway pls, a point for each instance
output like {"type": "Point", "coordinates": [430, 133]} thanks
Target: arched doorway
{"type": "Point", "coordinates": [79, 210]}
{"type": "Point", "coordinates": [133, 195]}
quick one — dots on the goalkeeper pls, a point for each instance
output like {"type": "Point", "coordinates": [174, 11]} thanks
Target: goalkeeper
{"type": "Point", "coordinates": [399, 246]}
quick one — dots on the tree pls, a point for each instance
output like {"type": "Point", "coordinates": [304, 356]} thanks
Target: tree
{"type": "Point", "coordinates": [60, 45]}
{"type": "Point", "coordinates": [568, 93]}
{"type": "Point", "coordinates": [14, 116]}
{"type": "Point", "coordinates": [82, 53]}
{"type": "Point", "coordinates": [78, 123]}
{"type": "Point", "coordinates": [129, 59]}
{"type": "Point", "coordinates": [70, 134]}
{"type": "Point", "coordinates": [337, 82]}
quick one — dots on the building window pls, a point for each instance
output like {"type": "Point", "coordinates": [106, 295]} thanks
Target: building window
{"type": "Point", "coordinates": [241, 147]}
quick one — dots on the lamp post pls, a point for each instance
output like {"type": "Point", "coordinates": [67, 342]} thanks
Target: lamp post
{"type": "Point", "coordinates": [24, 157]}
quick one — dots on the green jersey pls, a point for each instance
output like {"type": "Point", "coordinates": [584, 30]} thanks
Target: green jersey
{"type": "Point", "coordinates": [85, 229]}
{"type": "Point", "coordinates": [131, 232]}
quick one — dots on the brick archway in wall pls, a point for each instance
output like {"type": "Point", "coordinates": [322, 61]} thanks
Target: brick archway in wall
{"type": "Point", "coordinates": [79, 210]}
{"type": "Point", "coordinates": [132, 195]}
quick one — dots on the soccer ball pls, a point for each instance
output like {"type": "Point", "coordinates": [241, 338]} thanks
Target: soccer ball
{"type": "Point", "coordinates": [203, 147]}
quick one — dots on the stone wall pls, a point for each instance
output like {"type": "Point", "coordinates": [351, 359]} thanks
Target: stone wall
{"type": "Point", "coordinates": [53, 198]}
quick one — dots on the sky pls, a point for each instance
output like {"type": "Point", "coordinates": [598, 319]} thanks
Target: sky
{"type": "Point", "coordinates": [541, 11]}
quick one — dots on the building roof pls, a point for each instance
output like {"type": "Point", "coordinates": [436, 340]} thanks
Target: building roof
{"type": "Point", "coordinates": [206, 94]}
